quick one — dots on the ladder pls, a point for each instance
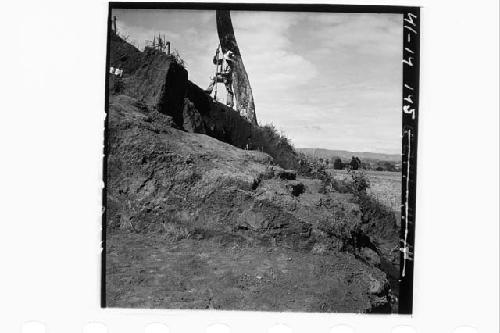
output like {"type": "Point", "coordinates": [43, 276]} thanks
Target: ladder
{"type": "Point", "coordinates": [217, 54]}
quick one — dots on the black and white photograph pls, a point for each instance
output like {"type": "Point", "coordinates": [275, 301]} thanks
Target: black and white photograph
{"type": "Point", "coordinates": [256, 166]}
{"type": "Point", "coordinates": [254, 159]}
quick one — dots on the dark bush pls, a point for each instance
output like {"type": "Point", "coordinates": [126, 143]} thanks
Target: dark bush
{"type": "Point", "coordinates": [287, 174]}
{"type": "Point", "coordinates": [267, 139]}
{"type": "Point", "coordinates": [176, 57]}
{"type": "Point", "coordinates": [389, 166]}
{"type": "Point", "coordinates": [359, 182]}
{"type": "Point", "coordinates": [355, 163]}
{"type": "Point", "coordinates": [337, 164]}
{"type": "Point", "coordinates": [117, 85]}
{"type": "Point", "coordinates": [296, 188]}
{"type": "Point", "coordinates": [386, 166]}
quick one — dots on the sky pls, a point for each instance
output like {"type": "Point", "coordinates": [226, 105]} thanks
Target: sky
{"type": "Point", "coordinates": [325, 80]}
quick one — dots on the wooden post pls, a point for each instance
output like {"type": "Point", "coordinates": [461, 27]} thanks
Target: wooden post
{"type": "Point", "coordinates": [114, 24]}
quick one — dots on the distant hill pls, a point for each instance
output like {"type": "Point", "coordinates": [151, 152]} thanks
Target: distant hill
{"type": "Point", "coordinates": [346, 155]}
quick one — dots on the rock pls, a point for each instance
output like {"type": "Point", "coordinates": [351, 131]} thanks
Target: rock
{"type": "Point", "coordinates": [319, 248]}
{"type": "Point", "coordinates": [161, 83]}
{"type": "Point", "coordinates": [254, 220]}
{"type": "Point", "coordinates": [269, 173]}
{"type": "Point", "coordinates": [370, 256]}
{"type": "Point", "coordinates": [242, 88]}
{"type": "Point", "coordinates": [126, 223]}
{"type": "Point", "coordinates": [193, 122]}
{"type": "Point", "coordinates": [286, 174]}
{"type": "Point", "coordinates": [318, 233]}
{"type": "Point", "coordinates": [377, 286]}
{"type": "Point", "coordinates": [379, 304]}
{"type": "Point", "coordinates": [296, 188]}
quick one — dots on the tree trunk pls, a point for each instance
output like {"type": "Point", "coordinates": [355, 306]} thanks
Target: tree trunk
{"type": "Point", "coordinates": [241, 86]}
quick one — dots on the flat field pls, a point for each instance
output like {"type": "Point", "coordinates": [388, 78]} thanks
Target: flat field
{"type": "Point", "coordinates": [385, 186]}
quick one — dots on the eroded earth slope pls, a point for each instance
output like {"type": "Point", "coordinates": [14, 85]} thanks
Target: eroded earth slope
{"type": "Point", "coordinates": [193, 222]}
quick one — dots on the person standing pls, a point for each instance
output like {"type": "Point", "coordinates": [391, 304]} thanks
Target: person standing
{"type": "Point", "coordinates": [223, 74]}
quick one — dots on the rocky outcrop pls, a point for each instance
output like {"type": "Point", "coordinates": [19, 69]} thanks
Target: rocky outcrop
{"type": "Point", "coordinates": [193, 121]}
{"type": "Point", "coordinates": [243, 91]}
{"type": "Point", "coordinates": [159, 81]}
{"type": "Point", "coordinates": [124, 55]}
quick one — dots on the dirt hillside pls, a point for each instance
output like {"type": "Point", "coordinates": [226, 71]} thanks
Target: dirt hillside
{"type": "Point", "coordinates": [193, 221]}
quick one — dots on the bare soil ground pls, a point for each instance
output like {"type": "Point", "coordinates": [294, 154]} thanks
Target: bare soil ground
{"type": "Point", "coordinates": [155, 271]}
{"type": "Point", "coordinates": [193, 222]}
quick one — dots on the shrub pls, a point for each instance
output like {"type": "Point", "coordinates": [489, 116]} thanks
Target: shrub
{"type": "Point", "coordinates": [123, 36]}
{"type": "Point", "coordinates": [311, 167]}
{"type": "Point", "coordinates": [355, 163]}
{"type": "Point", "coordinates": [341, 186]}
{"type": "Point", "coordinates": [379, 221]}
{"type": "Point", "coordinates": [267, 139]}
{"type": "Point", "coordinates": [389, 166]}
{"type": "Point", "coordinates": [359, 181]}
{"type": "Point", "coordinates": [337, 164]}
{"type": "Point", "coordinates": [176, 57]}
{"type": "Point", "coordinates": [385, 166]}
{"type": "Point", "coordinates": [175, 232]}
{"type": "Point", "coordinates": [327, 182]}
{"type": "Point", "coordinates": [341, 226]}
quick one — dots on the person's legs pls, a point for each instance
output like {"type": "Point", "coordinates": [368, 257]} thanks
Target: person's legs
{"type": "Point", "coordinates": [220, 78]}
{"type": "Point", "coordinates": [230, 95]}
{"type": "Point", "coordinates": [230, 99]}
{"type": "Point", "coordinates": [210, 87]}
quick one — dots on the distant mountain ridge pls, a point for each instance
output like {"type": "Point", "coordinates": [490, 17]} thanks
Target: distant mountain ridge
{"type": "Point", "coordinates": [346, 155]}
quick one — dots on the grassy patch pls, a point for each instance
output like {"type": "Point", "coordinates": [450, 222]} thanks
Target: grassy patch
{"type": "Point", "coordinates": [269, 140]}
{"type": "Point", "coordinates": [175, 232]}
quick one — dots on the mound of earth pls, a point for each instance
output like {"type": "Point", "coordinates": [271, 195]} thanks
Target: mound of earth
{"type": "Point", "coordinates": [194, 222]}
{"type": "Point", "coordinates": [161, 82]}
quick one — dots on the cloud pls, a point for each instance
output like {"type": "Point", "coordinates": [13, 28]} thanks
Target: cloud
{"type": "Point", "coordinates": [274, 64]}
{"type": "Point", "coordinates": [327, 80]}
{"type": "Point", "coordinates": [185, 29]}
{"type": "Point", "coordinates": [368, 34]}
